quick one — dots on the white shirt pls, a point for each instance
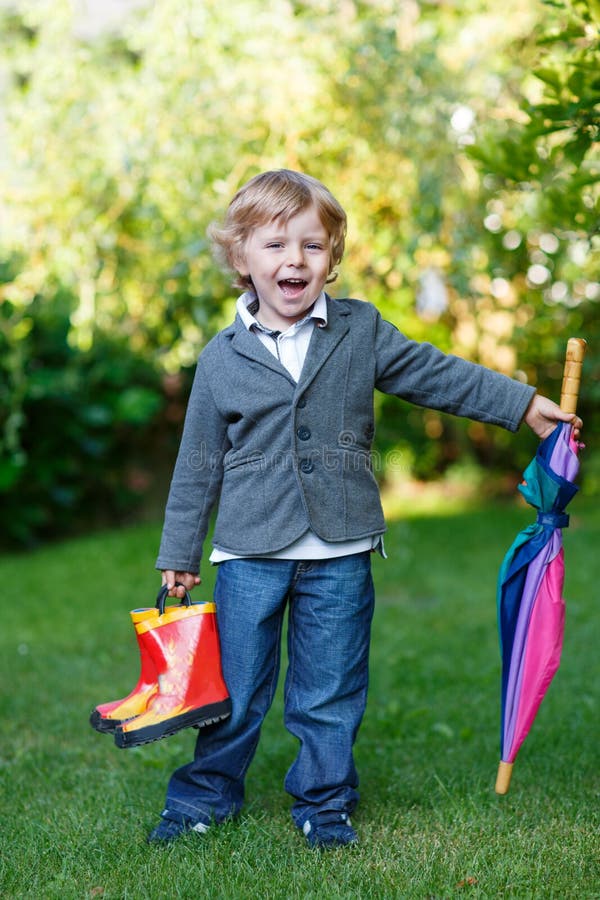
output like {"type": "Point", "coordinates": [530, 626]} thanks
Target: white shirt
{"type": "Point", "coordinates": [291, 347]}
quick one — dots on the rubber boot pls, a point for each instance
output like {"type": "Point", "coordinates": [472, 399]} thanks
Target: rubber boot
{"type": "Point", "coordinates": [107, 716]}
{"type": "Point", "coordinates": [184, 645]}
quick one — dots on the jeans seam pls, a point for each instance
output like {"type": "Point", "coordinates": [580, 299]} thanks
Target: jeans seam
{"type": "Point", "coordinates": [291, 662]}
{"type": "Point", "coordinates": [271, 694]}
{"type": "Point", "coordinates": [188, 809]}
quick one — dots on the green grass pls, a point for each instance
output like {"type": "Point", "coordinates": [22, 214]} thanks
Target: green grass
{"type": "Point", "coordinates": [75, 809]}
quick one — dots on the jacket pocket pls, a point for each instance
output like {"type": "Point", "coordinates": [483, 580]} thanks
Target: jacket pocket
{"type": "Point", "coordinates": [255, 462]}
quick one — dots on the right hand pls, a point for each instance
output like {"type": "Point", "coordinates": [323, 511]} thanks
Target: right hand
{"type": "Point", "coordinates": [543, 415]}
{"type": "Point", "coordinates": [187, 581]}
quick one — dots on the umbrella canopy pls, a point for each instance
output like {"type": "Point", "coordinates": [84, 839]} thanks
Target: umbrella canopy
{"type": "Point", "coordinates": [531, 609]}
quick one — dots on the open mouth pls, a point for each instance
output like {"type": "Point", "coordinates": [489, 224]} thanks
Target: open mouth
{"type": "Point", "coordinates": [292, 287]}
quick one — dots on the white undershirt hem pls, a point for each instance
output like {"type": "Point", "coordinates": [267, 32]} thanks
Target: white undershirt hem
{"type": "Point", "coordinates": [310, 546]}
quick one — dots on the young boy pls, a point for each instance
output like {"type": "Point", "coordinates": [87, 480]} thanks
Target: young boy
{"type": "Point", "coordinates": [279, 426]}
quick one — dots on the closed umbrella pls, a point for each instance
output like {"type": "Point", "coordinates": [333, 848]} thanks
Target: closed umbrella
{"type": "Point", "coordinates": [531, 609]}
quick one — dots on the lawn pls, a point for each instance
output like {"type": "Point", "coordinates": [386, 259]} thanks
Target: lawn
{"type": "Point", "coordinates": [75, 809]}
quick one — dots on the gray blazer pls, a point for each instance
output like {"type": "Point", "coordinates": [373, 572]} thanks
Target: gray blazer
{"type": "Point", "coordinates": [286, 457]}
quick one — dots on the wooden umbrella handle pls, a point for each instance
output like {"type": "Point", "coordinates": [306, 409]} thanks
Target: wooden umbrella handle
{"type": "Point", "coordinates": [572, 374]}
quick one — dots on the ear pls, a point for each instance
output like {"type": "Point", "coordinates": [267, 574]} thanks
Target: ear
{"type": "Point", "coordinates": [239, 261]}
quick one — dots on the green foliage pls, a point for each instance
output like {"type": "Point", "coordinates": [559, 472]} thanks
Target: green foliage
{"type": "Point", "coordinates": [460, 139]}
{"type": "Point", "coordinates": [79, 427]}
{"type": "Point", "coordinates": [543, 180]}
{"type": "Point", "coordinates": [77, 809]}
{"type": "Point", "coordinates": [554, 151]}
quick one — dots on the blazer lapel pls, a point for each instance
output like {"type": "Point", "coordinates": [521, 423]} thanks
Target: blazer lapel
{"type": "Point", "coordinates": [247, 344]}
{"type": "Point", "coordinates": [324, 341]}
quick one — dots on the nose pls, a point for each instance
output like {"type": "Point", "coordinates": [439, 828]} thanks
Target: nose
{"type": "Point", "coordinates": [295, 256]}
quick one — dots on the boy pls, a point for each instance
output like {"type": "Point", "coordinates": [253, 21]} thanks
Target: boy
{"type": "Point", "coordinates": [279, 426]}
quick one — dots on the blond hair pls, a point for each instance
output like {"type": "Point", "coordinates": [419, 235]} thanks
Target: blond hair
{"type": "Point", "coordinates": [276, 195]}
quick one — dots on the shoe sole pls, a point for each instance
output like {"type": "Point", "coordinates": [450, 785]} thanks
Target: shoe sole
{"type": "Point", "coordinates": [196, 718]}
{"type": "Point", "coordinates": [103, 725]}
{"type": "Point", "coordinates": [334, 845]}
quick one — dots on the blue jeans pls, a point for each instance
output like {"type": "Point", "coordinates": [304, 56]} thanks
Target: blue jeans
{"type": "Point", "coordinates": [330, 610]}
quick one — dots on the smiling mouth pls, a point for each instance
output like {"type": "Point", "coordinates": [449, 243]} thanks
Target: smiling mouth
{"type": "Point", "coordinates": [291, 287]}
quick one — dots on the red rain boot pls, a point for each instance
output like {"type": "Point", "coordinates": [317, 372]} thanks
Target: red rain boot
{"type": "Point", "coordinates": [107, 716]}
{"type": "Point", "coordinates": [184, 646]}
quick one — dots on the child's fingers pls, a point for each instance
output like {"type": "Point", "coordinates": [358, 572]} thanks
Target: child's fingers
{"type": "Point", "coordinates": [179, 582]}
{"type": "Point", "coordinates": [185, 582]}
{"type": "Point", "coordinates": [168, 578]}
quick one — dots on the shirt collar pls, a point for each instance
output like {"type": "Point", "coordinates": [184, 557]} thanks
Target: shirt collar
{"type": "Point", "coordinates": [247, 307]}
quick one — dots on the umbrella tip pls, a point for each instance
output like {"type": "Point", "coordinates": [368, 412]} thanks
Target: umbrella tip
{"type": "Point", "coordinates": [503, 777]}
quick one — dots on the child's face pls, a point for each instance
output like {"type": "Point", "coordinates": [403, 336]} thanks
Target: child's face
{"type": "Point", "coordinates": [289, 264]}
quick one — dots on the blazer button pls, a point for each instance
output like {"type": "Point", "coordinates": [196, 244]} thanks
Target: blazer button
{"type": "Point", "coordinates": [306, 466]}
{"type": "Point", "coordinates": [301, 403]}
{"type": "Point", "coordinates": [303, 433]}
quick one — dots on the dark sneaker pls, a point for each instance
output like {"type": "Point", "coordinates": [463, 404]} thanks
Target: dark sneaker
{"type": "Point", "coordinates": [172, 825]}
{"type": "Point", "coordinates": [328, 829]}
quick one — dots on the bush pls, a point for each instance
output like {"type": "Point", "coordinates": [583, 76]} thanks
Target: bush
{"type": "Point", "coordinates": [81, 430]}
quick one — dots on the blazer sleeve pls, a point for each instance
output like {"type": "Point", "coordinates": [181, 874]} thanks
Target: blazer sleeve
{"type": "Point", "coordinates": [424, 375]}
{"type": "Point", "coordinates": [196, 480]}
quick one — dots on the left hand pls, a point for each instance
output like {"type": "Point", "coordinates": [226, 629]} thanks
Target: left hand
{"type": "Point", "coordinates": [179, 582]}
{"type": "Point", "coordinates": [544, 414]}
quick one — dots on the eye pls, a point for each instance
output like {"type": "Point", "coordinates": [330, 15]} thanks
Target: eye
{"type": "Point", "coordinates": [314, 246]}
{"type": "Point", "coordinates": [274, 245]}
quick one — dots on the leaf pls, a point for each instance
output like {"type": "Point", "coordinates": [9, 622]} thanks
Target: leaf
{"type": "Point", "coordinates": [554, 111]}
{"type": "Point", "coordinates": [577, 149]}
{"type": "Point", "coordinates": [137, 405]}
{"type": "Point", "coordinates": [9, 474]}
{"type": "Point", "coordinates": [549, 76]}
{"type": "Point", "coordinates": [576, 82]}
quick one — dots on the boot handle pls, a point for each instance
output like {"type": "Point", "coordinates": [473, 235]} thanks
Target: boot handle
{"type": "Point", "coordinates": [162, 596]}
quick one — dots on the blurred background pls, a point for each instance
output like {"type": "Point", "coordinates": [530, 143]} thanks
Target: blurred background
{"type": "Point", "coordinates": [461, 136]}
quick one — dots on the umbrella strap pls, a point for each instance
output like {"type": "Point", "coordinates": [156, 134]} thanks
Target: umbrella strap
{"type": "Point", "coordinates": [553, 520]}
